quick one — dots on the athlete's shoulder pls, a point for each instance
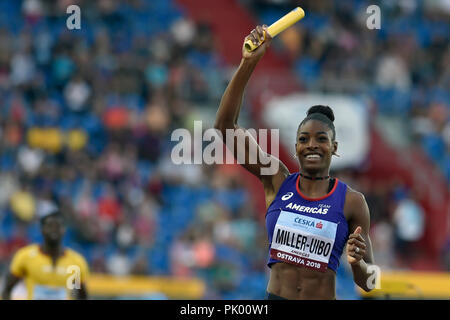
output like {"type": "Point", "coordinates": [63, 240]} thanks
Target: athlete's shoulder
{"type": "Point", "coordinates": [355, 204]}
{"type": "Point", "coordinates": [290, 178]}
{"type": "Point", "coordinates": [354, 196]}
{"type": "Point", "coordinates": [28, 250]}
{"type": "Point", "coordinates": [23, 256]}
{"type": "Point", "coordinates": [292, 175]}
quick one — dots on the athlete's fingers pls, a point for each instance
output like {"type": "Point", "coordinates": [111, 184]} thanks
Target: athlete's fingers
{"type": "Point", "coordinates": [356, 248]}
{"type": "Point", "coordinates": [256, 35]}
{"type": "Point", "coordinates": [260, 31]}
{"type": "Point", "coordinates": [360, 246]}
{"type": "Point", "coordinates": [251, 37]}
{"type": "Point", "coordinates": [357, 243]}
{"type": "Point", "coordinates": [356, 236]}
{"type": "Point", "coordinates": [356, 233]}
{"type": "Point", "coordinates": [360, 252]}
{"type": "Point", "coordinates": [356, 256]}
{"type": "Point", "coordinates": [356, 239]}
{"type": "Point", "coordinates": [267, 34]}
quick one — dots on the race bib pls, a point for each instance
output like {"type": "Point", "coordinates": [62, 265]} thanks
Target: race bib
{"type": "Point", "coordinates": [303, 241]}
{"type": "Point", "coordinates": [41, 292]}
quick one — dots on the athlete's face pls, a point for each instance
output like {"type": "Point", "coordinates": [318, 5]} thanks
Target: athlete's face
{"type": "Point", "coordinates": [52, 229]}
{"type": "Point", "coordinates": [315, 146]}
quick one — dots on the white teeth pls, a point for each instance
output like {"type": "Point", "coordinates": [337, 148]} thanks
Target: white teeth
{"type": "Point", "coordinates": [312, 156]}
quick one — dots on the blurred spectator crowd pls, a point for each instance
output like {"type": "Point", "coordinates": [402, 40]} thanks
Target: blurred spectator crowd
{"type": "Point", "coordinates": [86, 117]}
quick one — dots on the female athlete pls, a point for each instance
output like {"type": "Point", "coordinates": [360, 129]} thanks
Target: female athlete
{"type": "Point", "coordinates": [310, 216]}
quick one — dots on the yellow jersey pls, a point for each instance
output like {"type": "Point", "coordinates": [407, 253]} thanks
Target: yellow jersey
{"type": "Point", "coordinates": [44, 280]}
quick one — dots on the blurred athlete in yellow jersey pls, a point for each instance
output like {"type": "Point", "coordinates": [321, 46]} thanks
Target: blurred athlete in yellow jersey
{"type": "Point", "coordinates": [50, 272]}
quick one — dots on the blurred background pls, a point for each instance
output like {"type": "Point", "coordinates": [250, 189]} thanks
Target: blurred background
{"type": "Point", "coordinates": [86, 118]}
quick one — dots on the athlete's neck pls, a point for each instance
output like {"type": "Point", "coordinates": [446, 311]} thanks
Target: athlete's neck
{"type": "Point", "coordinates": [52, 249]}
{"type": "Point", "coordinates": [315, 185]}
{"type": "Point", "coordinates": [314, 178]}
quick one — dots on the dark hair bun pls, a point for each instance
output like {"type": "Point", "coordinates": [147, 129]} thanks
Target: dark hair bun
{"type": "Point", "coordinates": [325, 110]}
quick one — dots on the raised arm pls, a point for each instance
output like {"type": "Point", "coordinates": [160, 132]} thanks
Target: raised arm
{"type": "Point", "coordinates": [228, 113]}
{"type": "Point", "coordinates": [230, 105]}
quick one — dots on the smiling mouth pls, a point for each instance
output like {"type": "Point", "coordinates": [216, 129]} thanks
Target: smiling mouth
{"type": "Point", "coordinates": [312, 157]}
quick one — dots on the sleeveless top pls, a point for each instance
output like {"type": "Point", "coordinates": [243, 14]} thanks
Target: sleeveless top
{"type": "Point", "coordinates": [307, 232]}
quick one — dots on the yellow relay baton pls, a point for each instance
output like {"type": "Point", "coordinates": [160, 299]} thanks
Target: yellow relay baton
{"type": "Point", "coordinates": [278, 26]}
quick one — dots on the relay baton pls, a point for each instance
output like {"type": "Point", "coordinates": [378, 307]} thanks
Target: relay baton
{"type": "Point", "coordinates": [278, 26]}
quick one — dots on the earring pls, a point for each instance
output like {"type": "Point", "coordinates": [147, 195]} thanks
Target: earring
{"type": "Point", "coordinates": [334, 153]}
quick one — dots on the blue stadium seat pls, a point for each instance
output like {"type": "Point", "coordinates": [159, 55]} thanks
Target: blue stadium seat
{"type": "Point", "coordinates": [308, 70]}
{"type": "Point", "coordinates": [434, 147]}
